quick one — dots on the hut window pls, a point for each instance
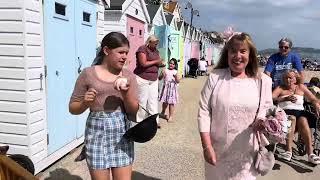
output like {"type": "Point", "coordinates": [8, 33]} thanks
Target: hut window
{"type": "Point", "coordinates": [60, 9]}
{"type": "Point", "coordinates": [131, 29]}
{"type": "Point", "coordinates": [137, 11]}
{"type": "Point", "coordinates": [140, 32]}
{"type": "Point", "coordinates": [86, 17]}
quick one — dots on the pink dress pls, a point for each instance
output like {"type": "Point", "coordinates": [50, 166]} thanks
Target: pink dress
{"type": "Point", "coordinates": [227, 108]}
{"type": "Point", "coordinates": [169, 92]}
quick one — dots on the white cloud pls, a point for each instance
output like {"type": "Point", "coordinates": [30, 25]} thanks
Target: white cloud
{"type": "Point", "coordinates": [266, 20]}
{"type": "Point", "coordinates": [286, 3]}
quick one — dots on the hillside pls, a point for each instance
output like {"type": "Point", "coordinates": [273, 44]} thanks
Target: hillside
{"type": "Point", "coordinates": [302, 51]}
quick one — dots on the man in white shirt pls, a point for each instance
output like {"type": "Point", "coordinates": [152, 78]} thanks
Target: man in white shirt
{"type": "Point", "coordinates": [202, 66]}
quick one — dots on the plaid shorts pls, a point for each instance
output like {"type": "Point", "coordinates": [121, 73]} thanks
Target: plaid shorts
{"type": "Point", "coordinates": [105, 146]}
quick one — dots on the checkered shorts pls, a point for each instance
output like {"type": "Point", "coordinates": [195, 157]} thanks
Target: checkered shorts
{"type": "Point", "coordinates": [105, 146]}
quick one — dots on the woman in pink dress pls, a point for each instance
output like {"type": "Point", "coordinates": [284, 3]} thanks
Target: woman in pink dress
{"type": "Point", "coordinates": [228, 104]}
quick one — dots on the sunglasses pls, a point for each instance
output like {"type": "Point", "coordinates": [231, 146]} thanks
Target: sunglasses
{"type": "Point", "coordinates": [283, 47]}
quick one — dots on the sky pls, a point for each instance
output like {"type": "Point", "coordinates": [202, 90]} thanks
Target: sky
{"type": "Point", "coordinates": [267, 21]}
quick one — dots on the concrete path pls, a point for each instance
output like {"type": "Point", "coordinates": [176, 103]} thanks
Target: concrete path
{"type": "Point", "coordinates": [175, 153]}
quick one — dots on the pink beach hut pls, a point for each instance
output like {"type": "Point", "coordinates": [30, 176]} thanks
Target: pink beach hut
{"type": "Point", "coordinates": [130, 17]}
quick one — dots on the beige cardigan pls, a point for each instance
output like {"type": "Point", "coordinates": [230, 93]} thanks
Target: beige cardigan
{"type": "Point", "coordinates": [212, 117]}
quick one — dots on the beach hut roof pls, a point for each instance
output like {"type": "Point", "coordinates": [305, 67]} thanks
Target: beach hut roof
{"type": "Point", "coordinates": [152, 10]}
{"type": "Point", "coordinates": [116, 5]}
{"type": "Point", "coordinates": [169, 18]}
{"type": "Point", "coordinates": [106, 3]}
{"type": "Point", "coordinates": [186, 26]}
{"type": "Point", "coordinates": [179, 24]}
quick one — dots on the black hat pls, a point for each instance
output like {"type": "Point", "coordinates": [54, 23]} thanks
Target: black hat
{"type": "Point", "coordinates": [143, 131]}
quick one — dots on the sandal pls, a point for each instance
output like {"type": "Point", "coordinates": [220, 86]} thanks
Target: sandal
{"type": "Point", "coordinates": [164, 116]}
{"type": "Point", "coordinates": [314, 159]}
{"type": "Point", "coordinates": [286, 155]}
{"type": "Point", "coordinates": [170, 120]}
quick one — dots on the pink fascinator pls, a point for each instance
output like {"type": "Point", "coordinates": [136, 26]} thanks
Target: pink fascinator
{"type": "Point", "coordinates": [229, 33]}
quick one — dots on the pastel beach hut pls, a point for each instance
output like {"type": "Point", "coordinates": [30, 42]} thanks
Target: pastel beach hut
{"type": "Point", "coordinates": [157, 17]}
{"type": "Point", "coordinates": [131, 18]}
{"type": "Point", "coordinates": [44, 47]}
{"type": "Point", "coordinates": [187, 46]}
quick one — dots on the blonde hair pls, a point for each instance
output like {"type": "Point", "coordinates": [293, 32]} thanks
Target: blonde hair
{"type": "Point", "coordinates": [252, 67]}
{"type": "Point", "coordinates": [296, 75]}
{"type": "Point", "coordinates": [151, 38]}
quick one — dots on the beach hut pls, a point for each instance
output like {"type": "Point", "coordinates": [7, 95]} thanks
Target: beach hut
{"type": "Point", "coordinates": [195, 46]}
{"type": "Point", "coordinates": [45, 45]}
{"type": "Point", "coordinates": [131, 18]}
{"type": "Point", "coordinates": [217, 48]}
{"type": "Point", "coordinates": [101, 7]}
{"type": "Point", "coordinates": [172, 7]}
{"type": "Point", "coordinates": [187, 46]}
{"type": "Point", "coordinates": [157, 17]}
{"type": "Point", "coordinates": [173, 38]}
{"type": "Point", "coordinates": [181, 47]}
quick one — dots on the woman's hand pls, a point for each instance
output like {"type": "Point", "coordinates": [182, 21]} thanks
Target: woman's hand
{"type": "Point", "coordinates": [89, 97]}
{"type": "Point", "coordinates": [177, 77]}
{"type": "Point", "coordinates": [291, 98]}
{"type": "Point", "coordinates": [210, 155]}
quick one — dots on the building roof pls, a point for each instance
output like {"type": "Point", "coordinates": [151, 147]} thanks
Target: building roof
{"type": "Point", "coordinates": [169, 18]}
{"type": "Point", "coordinates": [116, 5]}
{"type": "Point", "coordinates": [152, 10]}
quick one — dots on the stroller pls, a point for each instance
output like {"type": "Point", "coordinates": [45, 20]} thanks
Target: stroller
{"type": "Point", "coordinates": [193, 64]}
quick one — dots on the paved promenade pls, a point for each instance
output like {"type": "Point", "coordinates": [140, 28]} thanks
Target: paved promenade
{"type": "Point", "coordinates": [175, 153]}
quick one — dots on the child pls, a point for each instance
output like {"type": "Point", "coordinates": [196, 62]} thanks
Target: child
{"type": "Point", "coordinates": [169, 93]}
{"type": "Point", "coordinates": [109, 91]}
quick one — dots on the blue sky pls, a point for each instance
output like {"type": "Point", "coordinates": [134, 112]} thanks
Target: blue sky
{"type": "Point", "coordinates": [265, 20]}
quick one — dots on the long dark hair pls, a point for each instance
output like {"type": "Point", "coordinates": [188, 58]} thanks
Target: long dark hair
{"type": "Point", "coordinates": [112, 40]}
{"type": "Point", "coordinates": [252, 67]}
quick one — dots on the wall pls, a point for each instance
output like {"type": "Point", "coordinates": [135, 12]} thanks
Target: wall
{"type": "Point", "coordinates": [22, 102]}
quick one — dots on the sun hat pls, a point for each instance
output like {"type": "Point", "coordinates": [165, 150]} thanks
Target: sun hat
{"type": "Point", "coordinates": [143, 131]}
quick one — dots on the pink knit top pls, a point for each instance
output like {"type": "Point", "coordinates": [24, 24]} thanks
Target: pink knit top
{"type": "Point", "coordinates": [107, 98]}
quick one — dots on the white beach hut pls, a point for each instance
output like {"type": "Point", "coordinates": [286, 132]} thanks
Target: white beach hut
{"type": "Point", "coordinates": [43, 47]}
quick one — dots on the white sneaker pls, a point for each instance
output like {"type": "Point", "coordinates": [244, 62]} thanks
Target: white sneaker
{"type": "Point", "coordinates": [314, 159]}
{"type": "Point", "coordinates": [286, 155]}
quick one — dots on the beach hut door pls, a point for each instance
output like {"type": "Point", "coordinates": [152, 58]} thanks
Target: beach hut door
{"type": "Point", "coordinates": [135, 34]}
{"type": "Point", "coordinates": [64, 30]}
{"type": "Point", "coordinates": [85, 45]}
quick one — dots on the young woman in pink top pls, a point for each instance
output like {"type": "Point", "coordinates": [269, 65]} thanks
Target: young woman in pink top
{"type": "Point", "coordinates": [110, 93]}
